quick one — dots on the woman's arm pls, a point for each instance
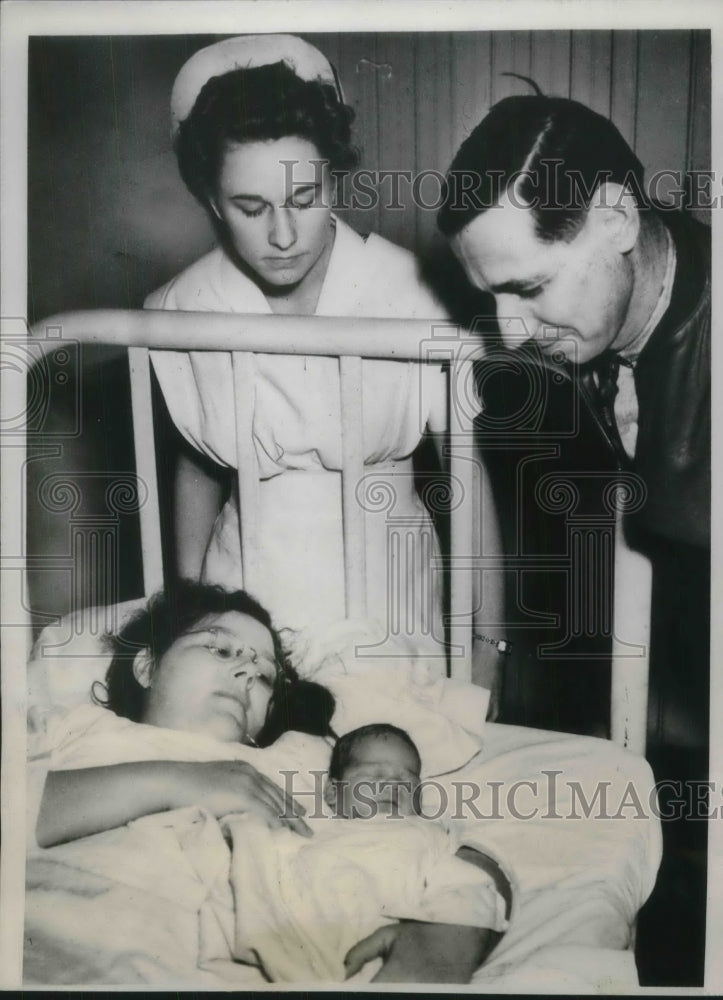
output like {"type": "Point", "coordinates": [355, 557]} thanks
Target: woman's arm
{"type": "Point", "coordinates": [431, 953]}
{"type": "Point", "coordinates": [81, 802]}
{"type": "Point", "coordinates": [416, 952]}
{"type": "Point", "coordinates": [487, 661]}
{"type": "Point", "coordinates": [491, 868]}
{"type": "Point", "coordinates": [198, 493]}
{"type": "Point", "coordinates": [488, 626]}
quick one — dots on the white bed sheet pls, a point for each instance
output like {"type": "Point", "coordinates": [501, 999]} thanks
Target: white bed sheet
{"type": "Point", "coordinates": [579, 879]}
{"type": "Point", "coordinates": [579, 883]}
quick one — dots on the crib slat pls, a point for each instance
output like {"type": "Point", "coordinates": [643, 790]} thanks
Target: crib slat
{"type": "Point", "coordinates": [145, 453]}
{"type": "Point", "coordinates": [462, 523]}
{"type": "Point", "coordinates": [246, 467]}
{"type": "Point", "coordinates": [349, 339]}
{"type": "Point", "coordinates": [352, 470]}
{"type": "Point", "coordinates": [631, 629]}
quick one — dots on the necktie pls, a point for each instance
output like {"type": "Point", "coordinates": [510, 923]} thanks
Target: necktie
{"type": "Point", "coordinates": [606, 372]}
{"type": "Point", "coordinates": [599, 381]}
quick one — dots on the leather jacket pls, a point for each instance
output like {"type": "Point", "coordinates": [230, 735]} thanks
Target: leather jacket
{"type": "Point", "coordinates": [672, 382]}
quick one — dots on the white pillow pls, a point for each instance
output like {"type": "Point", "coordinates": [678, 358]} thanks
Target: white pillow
{"type": "Point", "coordinates": [69, 657]}
{"type": "Point", "coordinates": [445, 718]}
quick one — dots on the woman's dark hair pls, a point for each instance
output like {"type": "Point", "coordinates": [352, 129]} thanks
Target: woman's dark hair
{"type": "Point", "coordinates": [171, 613]}
{"type": "Point", "coordinates": [257, 105]}
{"type": "Point", "coordinates": [556, 150]}
{"type": "Point", "coordinates": [344, 747]}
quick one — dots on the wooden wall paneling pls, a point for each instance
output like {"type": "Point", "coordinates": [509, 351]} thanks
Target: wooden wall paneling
{"type": "Point", "coordinates": [357, 60]}
{"type": "Point", "coordinates": [433, 120]}
{"type": "Point", "coordinates": [699, 120]}
{"type": "Point", "coordinates": [550, 62]}
{"type": "Point", "coordinates": [700, 103]}
{"type": "Point", "coordinates": [471, 84]}
{"type": "Point", "coordinates": [591, 70]}
{"type": "Point", "coordinates": [330, 44]}
{"type": "Point", "coordinates": [511, 53]}
{"type": "Point", "coordinates": [397, 135]}
{"type": "Point", "coordinates": [663, 97]}
{"type": "Point", "coordinates": [624, 83]}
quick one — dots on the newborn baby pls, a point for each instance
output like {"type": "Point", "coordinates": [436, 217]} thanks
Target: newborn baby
{"type": "Point", "coordinates": [303, 903]}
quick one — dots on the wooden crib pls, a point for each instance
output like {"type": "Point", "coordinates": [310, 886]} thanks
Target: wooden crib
{"type": "Point", "coordinates": [350, 340]}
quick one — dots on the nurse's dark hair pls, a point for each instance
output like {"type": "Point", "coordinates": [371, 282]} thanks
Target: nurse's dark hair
{"type": "Point", "coordinates": [257, 105]}
{"type": "Point", "coordinates": [554, 152]}
{"type": "Point", "coordinates": [173, 612]}
{"type": "Point", "coordinates": [345, 746]}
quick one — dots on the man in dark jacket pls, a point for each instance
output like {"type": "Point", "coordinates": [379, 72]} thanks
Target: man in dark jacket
{"type": "Point", "coordinates": [546, 210]}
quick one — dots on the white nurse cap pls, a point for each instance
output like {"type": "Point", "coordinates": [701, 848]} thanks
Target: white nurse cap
{"type": "Point", "coordinates": [245, 52]}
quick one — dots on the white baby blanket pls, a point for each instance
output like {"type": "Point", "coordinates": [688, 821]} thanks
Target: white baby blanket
{"type": "Point", "coordinates": [302, 904]}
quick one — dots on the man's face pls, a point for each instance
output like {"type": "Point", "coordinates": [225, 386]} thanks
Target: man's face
{"type": "Point", "coordinates": [572, 298]}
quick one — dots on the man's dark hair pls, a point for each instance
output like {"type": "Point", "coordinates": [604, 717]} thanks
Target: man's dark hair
{"type": "Point", "coordinates": [556, 151]}
{"type": "Point", "coordinates": [344, 747]}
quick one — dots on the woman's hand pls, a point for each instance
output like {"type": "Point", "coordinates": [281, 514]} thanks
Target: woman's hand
{"type": "Point", "coordinates": [224, 787]}
{"type": "Point", "coordinates": [377, 945]}
{"type": "Point", "coordinates": [89, 800]}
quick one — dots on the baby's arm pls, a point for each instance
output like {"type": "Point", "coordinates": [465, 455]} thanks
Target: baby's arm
{"type": "Point", "coordinates": [78, 803]}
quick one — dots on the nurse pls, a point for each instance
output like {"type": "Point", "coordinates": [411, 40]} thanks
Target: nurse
{"type": "Point", "coordinates": [260, 127]}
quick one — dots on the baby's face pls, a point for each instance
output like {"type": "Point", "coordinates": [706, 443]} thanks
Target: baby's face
{"type": "Point", "coordinates": [380, 779]}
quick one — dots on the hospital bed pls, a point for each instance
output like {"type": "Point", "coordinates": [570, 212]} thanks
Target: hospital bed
{"type": "Point", "coordinates": [581, 871]}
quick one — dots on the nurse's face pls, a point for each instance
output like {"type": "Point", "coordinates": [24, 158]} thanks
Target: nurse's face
{"type": "Point", "coordinates": [570, 297]}
{"type": "Point", "coordinates": [274, 201]}
{"type": "Point", "coordinates": [217, 679]}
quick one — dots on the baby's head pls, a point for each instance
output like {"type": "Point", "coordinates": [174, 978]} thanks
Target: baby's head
{"type": "Point", "coordinates": [374, 771]}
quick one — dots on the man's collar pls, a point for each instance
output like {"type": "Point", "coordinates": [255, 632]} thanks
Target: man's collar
{"type": "Point", "coordinates": [629, 354]}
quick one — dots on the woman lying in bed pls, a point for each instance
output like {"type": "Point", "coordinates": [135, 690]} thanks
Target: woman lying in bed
{"type": "Point", "coordinates": [208, 682]}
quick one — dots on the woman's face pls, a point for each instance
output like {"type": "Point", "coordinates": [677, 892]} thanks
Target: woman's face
{"type": "Point", "coordinates": [274, 201]}
{"type": "Point", "coordinates": [216, 679]}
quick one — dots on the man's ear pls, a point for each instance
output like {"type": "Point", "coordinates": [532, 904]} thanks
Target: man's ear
{"type": "Point", "coordinates": [143, 667]}
{"type": "Point", "coordinates": [617, 211]}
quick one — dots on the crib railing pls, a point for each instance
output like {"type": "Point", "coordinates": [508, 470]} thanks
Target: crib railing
{"type": "Point", "coordinates": [350, 340]}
